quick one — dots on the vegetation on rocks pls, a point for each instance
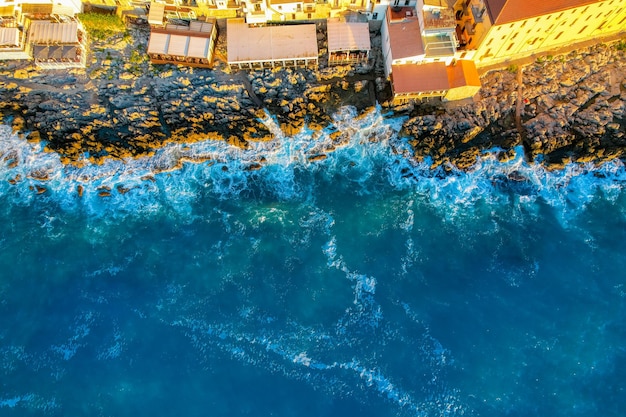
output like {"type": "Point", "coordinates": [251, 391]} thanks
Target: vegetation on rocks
{"type": "Point", "coordinates": [101, 27]}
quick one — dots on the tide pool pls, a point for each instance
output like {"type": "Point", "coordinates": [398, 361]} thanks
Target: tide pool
{"type": "Point", "coordinates": [360, 284]}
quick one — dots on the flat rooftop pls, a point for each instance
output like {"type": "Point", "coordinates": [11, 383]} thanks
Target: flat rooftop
{"type": "Point", "coordinates": [348, 36]}
{"type": "Point", "coordinates": [419, 78]}
{"type": "Point", "coordinates": [405, 34]}
{"type": "Point", "coordinates": [270, 43]}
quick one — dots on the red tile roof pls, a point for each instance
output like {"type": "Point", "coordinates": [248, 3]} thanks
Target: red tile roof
{"type": "Point", "coordinates": [416, 78]}
{"type": "Point", "coordinates": [508, 11]}
{"type": "Point", "coordinates": [463, 73]}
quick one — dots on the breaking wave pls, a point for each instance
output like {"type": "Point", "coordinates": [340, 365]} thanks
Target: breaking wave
{"type": "Point", "coordinates": [363, 153]}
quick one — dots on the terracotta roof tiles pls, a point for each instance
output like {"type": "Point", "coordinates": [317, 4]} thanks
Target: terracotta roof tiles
{"type": "Point", "coordinates": [508, 11]}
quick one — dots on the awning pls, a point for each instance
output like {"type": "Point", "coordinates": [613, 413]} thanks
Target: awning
{"type": "Point", "coordinates": [198, 48]}
{"type": "Point", "coordinates": [178, 45]}
{"type": "Point", "coordinates": [348, 36]}
{"type": "Point", "coordinates": [9, 37]}
{"type": "Point", "coordinates": [44, 31]}
{"type": "Point", "coordinates": [270, 43]}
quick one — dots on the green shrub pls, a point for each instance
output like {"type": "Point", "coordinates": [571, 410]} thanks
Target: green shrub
{"type": "Point", "coordinates": [512, 68]}
{"type": "Point", "coordinates": [101, 27]}
{"type": "Point", "coordinates": [621, 45]}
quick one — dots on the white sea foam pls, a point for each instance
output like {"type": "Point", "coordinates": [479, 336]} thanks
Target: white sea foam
{"type": "Point", "coordinates": [367, 155]}
{"type": "Point", "coordinates": [29, 401]}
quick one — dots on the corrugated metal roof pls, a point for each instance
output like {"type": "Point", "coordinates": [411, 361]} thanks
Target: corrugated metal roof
{"type": "Point", "coordinates": [44, 31]}
{"type": "Point", "coordinates": [54, 51]}
{"type": "Point", "coordinates": [9, 37]}
{"type": "Point", "coordinates": [270, 43]}
{"type": "Point", "coordinates": [175, 44]}
{"type": "Point", "coordinates": [178, 45]}
{"type": "Point", "coordinates": [195, 28]}
{"type": "Point", "coordinates": [158, 43]}
{"type": "Point", "coordinates": [199, 26]}
{"type": "Point", "coordinates": [198, 47]}
{"type": "Point", "coordinates": [348, 36]}
{"type": "Point", "coordinates": [419, 78]}
{"type": "Point", "coordinates": [507, 11]}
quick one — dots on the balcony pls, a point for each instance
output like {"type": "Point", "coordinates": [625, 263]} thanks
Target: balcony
{"type": "Point", "coordinates": [435, 19]}
{"type": "Point", "coordinates": [478, 12]}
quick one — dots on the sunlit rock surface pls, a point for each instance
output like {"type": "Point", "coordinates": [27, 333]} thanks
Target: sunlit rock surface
{"type": "Point", "coordinates": [571, 107]}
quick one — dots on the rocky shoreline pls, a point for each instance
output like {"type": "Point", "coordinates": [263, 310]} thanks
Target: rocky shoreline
{"type": "Point", "coordinates": [561, 109]}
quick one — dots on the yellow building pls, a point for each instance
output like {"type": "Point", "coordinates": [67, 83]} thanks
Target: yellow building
{"type": "Point", "coordinates": [501, 30]}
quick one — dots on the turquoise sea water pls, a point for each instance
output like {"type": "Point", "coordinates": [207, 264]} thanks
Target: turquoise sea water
{"type": "Point", "coordinates": [361, 284]}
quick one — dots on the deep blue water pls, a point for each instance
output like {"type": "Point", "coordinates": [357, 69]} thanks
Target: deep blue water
{"type": "Point", "coordinates": [361, 284]}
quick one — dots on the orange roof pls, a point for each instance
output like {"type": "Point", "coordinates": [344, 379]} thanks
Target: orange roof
{"type": "Point", "coordinates": [416, 78]}
{"type": "Point", "coordinates": [462, 74]}
{"type": "Point", "coordinates": [507, 11]}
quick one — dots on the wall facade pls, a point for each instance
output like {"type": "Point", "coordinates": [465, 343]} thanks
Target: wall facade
{"type": "Point", "coordinates": [524, 37]}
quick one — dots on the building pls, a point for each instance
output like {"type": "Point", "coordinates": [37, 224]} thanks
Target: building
{"type": "Point", "coordinates": [56, 42]}
{"type": "Point", "coordinates": [51, 41]}
{"type": "Point", "coordinates": [190, 44]}
{"type": "Point", "coordinates": [438, 29]}
{"type": "Point", "coordinates": [271, 46]}
{"type": "Point", "coordinates": [12, 40]}
{"type": "Point", "coordinates": [43, 30]}
{"type": "Point", "coordinates": [401, 38]}
{"type": "Point", "coordinates": [435, 79]}
{"type": "Point", "coordinates": [411, 36]}
{"type": "Point", "coordinates": [20, 10]}
{"type": "Point", "coordinates": [501, 30]}
{"type": "Point", "coordinates": [348, 42]}
{"type": "Point", "coordinates": [160, 13]}
{"type": "Point", "coordinates": [262, 11]}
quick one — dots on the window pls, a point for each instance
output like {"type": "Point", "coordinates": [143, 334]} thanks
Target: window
{"type": "Point", "coordinates": [582, 30]}
{"type": "Point", "coordinates": [510, 46]}
{"type": "Point", "coordinates": [375, 16]}
{"type": "Point", "coordinates": [558, 36]}
{"type": "Point", "coordinates": [406, 2]}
